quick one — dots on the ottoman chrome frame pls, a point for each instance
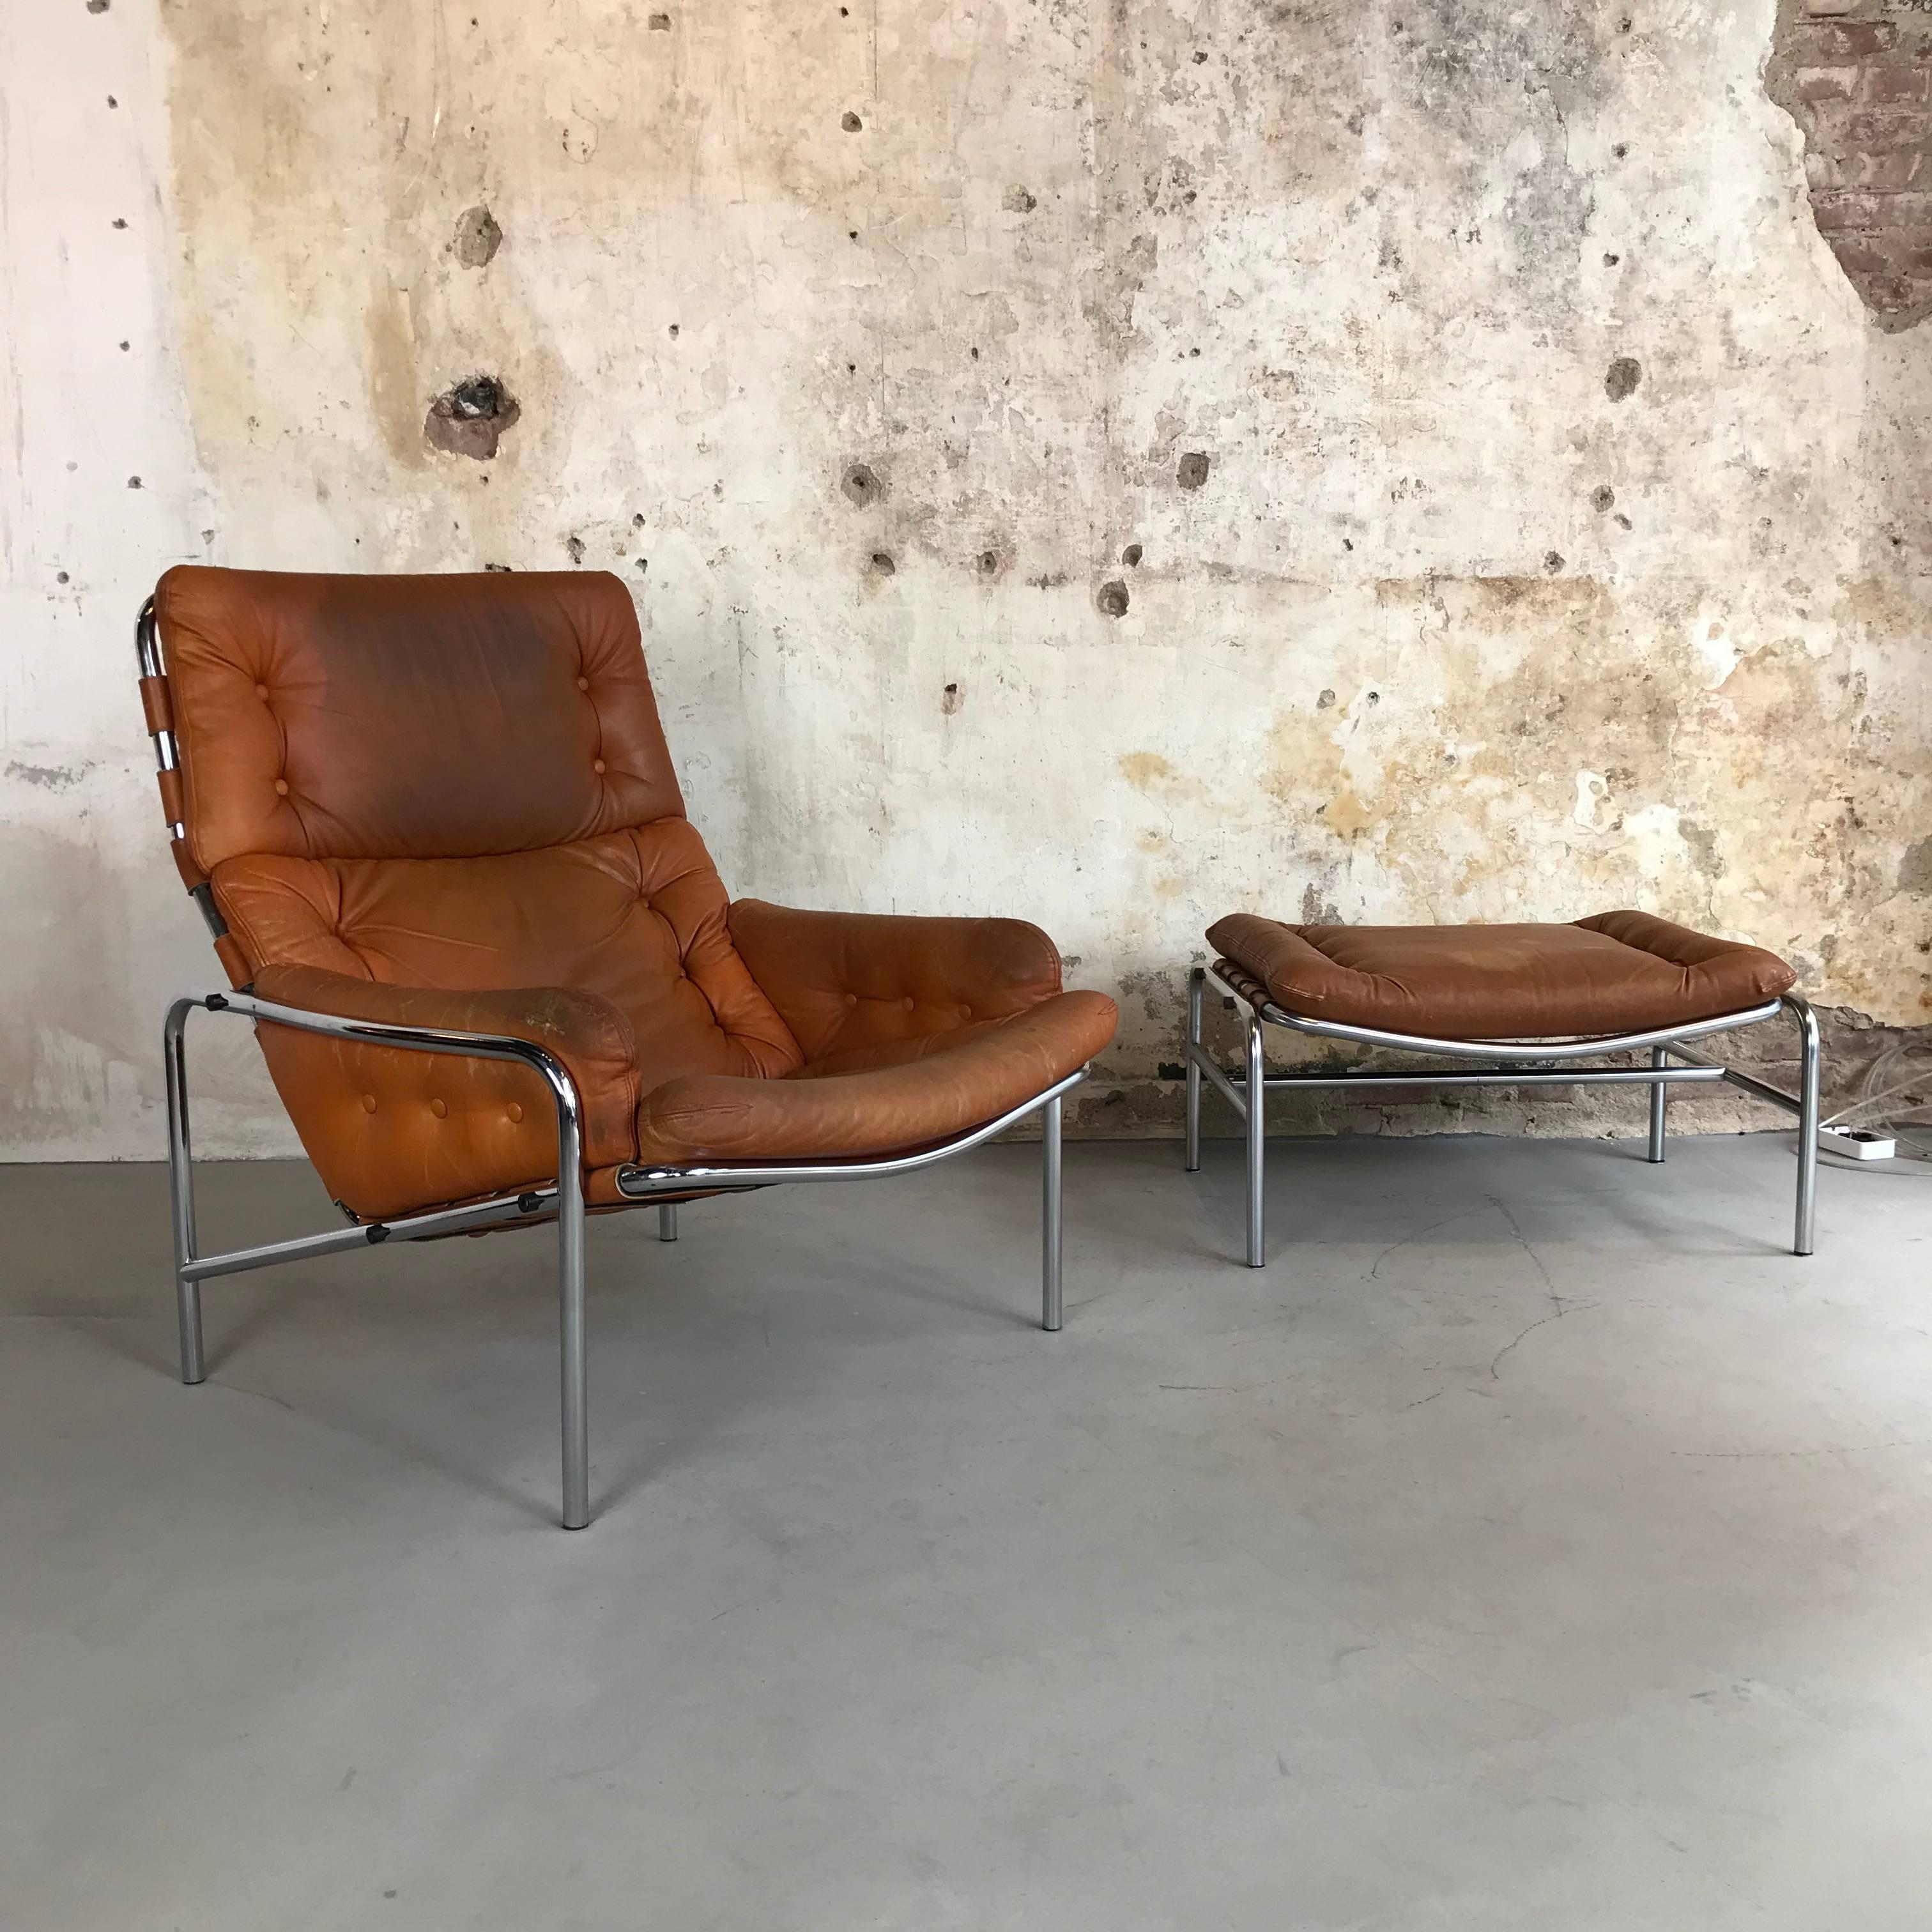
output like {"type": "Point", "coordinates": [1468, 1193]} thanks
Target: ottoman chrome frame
{"type": "Point", "coordinates": [1512, 1063]}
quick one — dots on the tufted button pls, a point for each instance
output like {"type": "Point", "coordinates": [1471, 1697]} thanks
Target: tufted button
{"type": "Point", "coordinates": [583, 684]}
{"type": "Point", "coordinates": [281, 788]}
{"type": "Point", "coordinates": [439, 1109]}
{"type": "Point", "coordinates": [597, 766]}
{"type": "Point", "coordinates": [516, 1111]}
{"type": "Point", "coordinates": [368, 1103]}
{"type": "Point", "coordinates": [906, 1002]}
{"type": "Point", "coordinates": [965, 1012]}
{"type": "Point", "coordinates": [851, 999]}
{"type": "Point", "coordinates": [261, 692]}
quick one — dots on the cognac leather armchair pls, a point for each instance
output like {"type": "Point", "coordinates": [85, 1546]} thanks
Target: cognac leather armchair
{"type": "Point", "coordinates": [434, 827]}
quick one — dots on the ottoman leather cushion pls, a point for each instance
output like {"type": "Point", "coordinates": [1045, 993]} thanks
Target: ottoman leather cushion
{"type": "Point", "coordinates": [1618, 973]}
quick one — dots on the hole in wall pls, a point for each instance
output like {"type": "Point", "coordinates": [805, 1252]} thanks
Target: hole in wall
{"type": "Point", "coordinates": [469, 418]}
{"type": "Point", "coordinates": [477, 238]}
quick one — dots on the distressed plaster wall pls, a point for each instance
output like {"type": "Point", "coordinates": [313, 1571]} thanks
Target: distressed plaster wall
{"type": "Point", "coordinates": [1107, 462]}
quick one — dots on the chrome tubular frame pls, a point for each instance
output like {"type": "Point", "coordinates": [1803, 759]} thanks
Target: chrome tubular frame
{"type": "Point", "coordinates": [1509, 1063]}
{"type": "Point", "coordinates": [564, 1198]}
{"type": "Point", "coordinates": [642, 1183]}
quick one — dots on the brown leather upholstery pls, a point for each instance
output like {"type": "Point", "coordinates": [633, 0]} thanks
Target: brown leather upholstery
{"type": "Point", "coordinates": [447, 801]}
{"type": "Point", "coordinates": [1618, 973]}
{"type": "Point", "coordinates": [408, 717]}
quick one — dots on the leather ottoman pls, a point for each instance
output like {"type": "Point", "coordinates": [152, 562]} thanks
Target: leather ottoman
{"type": "Point", "coordinates": [1517, 1005]}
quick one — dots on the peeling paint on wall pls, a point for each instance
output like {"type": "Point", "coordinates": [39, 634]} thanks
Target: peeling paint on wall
{"type": "Point", "coordinates": [1856, 76]}
{"type": "Point", "coordinates": [1351, 460]}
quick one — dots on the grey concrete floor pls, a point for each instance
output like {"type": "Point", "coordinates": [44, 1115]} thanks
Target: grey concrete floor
{"type": "Point", "coordinates": [1534, 1544]}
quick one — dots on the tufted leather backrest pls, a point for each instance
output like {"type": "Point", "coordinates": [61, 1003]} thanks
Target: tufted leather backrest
{"type": "Point", "coordinates": [408, 717]}
{"type": "Point", "coordinates": [449, 782]}
{"type": "Point", "coordinates": [638, 917]}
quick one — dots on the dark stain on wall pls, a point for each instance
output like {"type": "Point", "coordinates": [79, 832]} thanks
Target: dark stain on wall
{"type": "Point", "coordinates": [861, 485]}
{"type": "Point", "coordinates": [1477, 71]}
{"type": "Point", "coordinates": [1915, 869]}
{"type": "Point", "coordinates": [478, 237]}
{"type": "Point", "coordinates": [49, 777]}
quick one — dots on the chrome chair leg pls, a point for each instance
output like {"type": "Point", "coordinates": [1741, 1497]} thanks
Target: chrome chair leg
{"type": "Point", "coordinates": [1051, 1242]}
{"type": "Point", "coordinates": [1804, 1232]}
{"type": "Point", "coordinates": [1256, 1095]}
{"type": "Point", "coordinates": [1659, 1094]}
{"type": "Point", "coordinates": [1197, 985]}
{"type": "Point", "coordinates": [570, 1270]}
{"type": "Point", "coordinates": [667, 1221]}
{"type": "Point", "coordinates": [180, 1189]}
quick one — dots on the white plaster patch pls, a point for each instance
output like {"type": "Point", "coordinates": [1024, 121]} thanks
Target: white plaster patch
{"type": "Point", "coordinates": [1592, 789]}
{"type": "Point", "coordinates": [1712, 647]}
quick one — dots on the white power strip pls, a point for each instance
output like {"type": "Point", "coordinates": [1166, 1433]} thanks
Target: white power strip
{"type": "Point", "coordinates": [1855, 1144]}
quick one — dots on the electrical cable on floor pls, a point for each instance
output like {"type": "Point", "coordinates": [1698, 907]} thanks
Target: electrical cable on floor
{"type": "Point", "coordinates": [1878, 1088]}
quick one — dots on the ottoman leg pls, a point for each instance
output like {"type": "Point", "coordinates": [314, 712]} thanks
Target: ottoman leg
{"type": "Point", "coordinates": [1659, 1094]}
{"type": "Point", "coordinates": [1806, 1227]}
{"type": "Point", "coordinates": [1256, 1097]}
{"type": "Point", "coordinates": [1051, 1239]}
{"type": "Point", "coordinates": [1197, 983]}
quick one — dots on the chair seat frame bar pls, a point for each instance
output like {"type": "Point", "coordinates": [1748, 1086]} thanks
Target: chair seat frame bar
{"type": "Point", "coordinates": [1564, 1063]}
{"type": "Point", "coordinates": [563, 1198]}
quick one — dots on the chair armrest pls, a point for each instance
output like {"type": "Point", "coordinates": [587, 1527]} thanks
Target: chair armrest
{"type": "Point", "coordinates": [585, 1031]}
{"type": "Point", "coordinates": [862, 978]}
{"type": "Point", "coordinates": [396, 1126]}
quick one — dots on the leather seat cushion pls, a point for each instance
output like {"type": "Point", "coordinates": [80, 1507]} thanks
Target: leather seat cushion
{"type": "Point", "coordinates": [1617, 972]}
{"type": "Point", "coordinates": [637, 917]}
{"type": "Point", "coordinates": [937, 1086]}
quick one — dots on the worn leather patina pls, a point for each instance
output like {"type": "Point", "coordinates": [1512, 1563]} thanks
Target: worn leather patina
{"type": "Point", "coordinates": [447, 802]}
{"type": "Point", "coordinates": [1617, 972]}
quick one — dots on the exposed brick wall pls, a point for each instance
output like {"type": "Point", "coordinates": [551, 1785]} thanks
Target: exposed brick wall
{"type": "Point", "coordinates": [1856, 76]}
